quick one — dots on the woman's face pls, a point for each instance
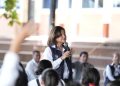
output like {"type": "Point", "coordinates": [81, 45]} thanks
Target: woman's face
{"type": "Point", "coordinates": [115, 58]}
{"type": "Point", "coordinates": [62, 38]}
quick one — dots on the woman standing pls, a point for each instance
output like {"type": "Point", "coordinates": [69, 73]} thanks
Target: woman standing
{"type": "Point", "coordinates": [58, 53]}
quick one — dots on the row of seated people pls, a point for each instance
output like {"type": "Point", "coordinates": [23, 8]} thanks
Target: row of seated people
{"type": "Point", "coordinates": [13, 73]}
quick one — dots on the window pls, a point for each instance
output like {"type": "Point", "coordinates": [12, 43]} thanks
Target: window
{"type": "Point", "coordinates": [116, 3]}
{"type": "Point", "coordinates": [88, 3]}
{"type": "Point", "coordinates": [46, 3]}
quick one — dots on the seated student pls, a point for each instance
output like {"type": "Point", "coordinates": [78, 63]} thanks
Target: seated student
{"type": "Point", "coordinates": [91, 77]}
{"type": "Point", "coordinates": [11, 70]}
{"type": "Point", "coordinates": [32, 65]}
{"type": "Point", "coordinates": [112, 71]}
{"type": "Point", "coordinates": [80, 65]}
{"type": "Point", "coordinates": [43, 64]}
{"type": "Point", "coordinates": [50, 78]}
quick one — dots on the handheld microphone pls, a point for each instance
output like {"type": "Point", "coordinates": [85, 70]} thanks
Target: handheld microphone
{"type": "Point", "coordinates": [66, 46]}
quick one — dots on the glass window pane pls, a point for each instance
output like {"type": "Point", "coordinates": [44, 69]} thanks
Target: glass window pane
{"type": "Point", "coordinates": [46, 3]}
{"type": "Point", "coordinates": [116, 3]}
{"type": "Point", "coordinates": [88, 3]}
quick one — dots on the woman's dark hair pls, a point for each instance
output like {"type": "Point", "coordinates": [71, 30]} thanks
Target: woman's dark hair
{"type": "Point", "coordinates": [50, 77]}
{"type": "Point", "coordinates": [55, 33]}
{"type": "Point", "coordinates": [43, 64]}
{"type": "Point", "coordinates": [91, 75]}
{"type": "Point", "coordinates": [22, 79]}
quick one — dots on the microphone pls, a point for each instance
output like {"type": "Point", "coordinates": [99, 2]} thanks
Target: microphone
{"type": "Point", "coordinates": [66, 46]}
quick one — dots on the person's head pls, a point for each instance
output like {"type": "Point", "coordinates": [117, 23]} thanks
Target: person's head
{"type": "Point", "coordinates": [57, 35]}
{"type": "Point", "coordinates": [114, 83]}
{"type": "Point", "coordinates": [83, 57]}
{"type": "Point", "coordinates": [91, 76]}
{"type": "Point", "coordinates": [116, 58]}
{"type": "Point", "coordinates": [50, 77]}
{"type": "Point", "coordinates": [43, 64]}
{"type": "Point", "coordinates": [36, 55]}
{"type": "Point", "coordinates": [22, 79]}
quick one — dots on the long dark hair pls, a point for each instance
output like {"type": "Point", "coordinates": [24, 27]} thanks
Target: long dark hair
{"type": "Point", "coordinates": [55, 33]}
{"type": "Point", "coordinates": [50, 77]}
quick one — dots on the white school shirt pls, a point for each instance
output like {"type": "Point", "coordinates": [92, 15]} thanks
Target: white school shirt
{"type": "Point", "coordinates": [48, 55]}
{"type": "Point", "coordinates": [30, 69]}
{"type": "Point", "coordinates": [9, 70]}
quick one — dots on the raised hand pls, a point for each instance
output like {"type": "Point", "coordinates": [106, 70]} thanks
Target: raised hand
{"type": "Point", "coordinates": [29, 28]}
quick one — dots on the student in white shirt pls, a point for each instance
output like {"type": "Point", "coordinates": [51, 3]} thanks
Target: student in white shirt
{"type": "Point", "coordinates": [32, 65]}
{"type": "Point", "coordinates": [43, 64]}
{"type": "Point", "coordinates": [112, 71]}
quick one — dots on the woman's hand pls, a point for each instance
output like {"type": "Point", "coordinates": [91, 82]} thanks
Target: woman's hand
{"type": "Point", "coordinates": [67, 54]}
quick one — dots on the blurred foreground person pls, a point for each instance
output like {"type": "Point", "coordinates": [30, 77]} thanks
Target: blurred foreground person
{"type": "Point", "coordinates": [43, 64]}
{"type": "Point", "coordinates": [91, 77]}
{"type": "Point", "coordinates": [12, 72]}
{"type": "Point", "coordinates": [50, 78]}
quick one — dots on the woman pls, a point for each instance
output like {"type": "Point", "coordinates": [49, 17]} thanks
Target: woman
{"type": "Point", "coordinates": [58, 53]}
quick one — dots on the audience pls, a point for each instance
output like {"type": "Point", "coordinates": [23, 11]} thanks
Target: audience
{"type": "Point", "coordinates": [91, 77]}
{"type": "Point", "coordinates": [32, 65]}
{"type": "Point", "coordinates": [50, 78]}
{"type": "Point", "coordinates": [43, 64]}
{"type": "Point", "coordinates": [80, 65]}
{"type": "Point", "coordinates": [40, 73]}
{"type": "Point", "coordinates": [112, 71]}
